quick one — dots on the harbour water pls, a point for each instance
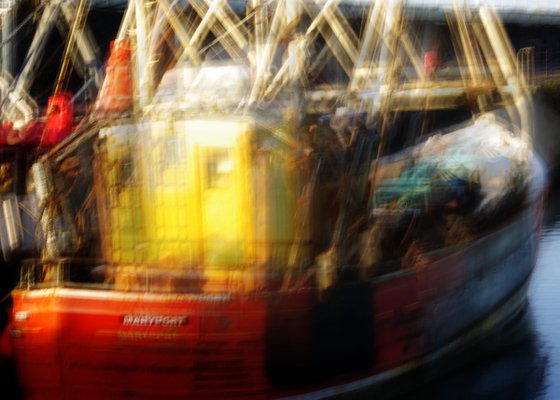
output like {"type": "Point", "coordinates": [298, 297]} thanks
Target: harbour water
{"type": "Point", "coordinates": [544, 299]}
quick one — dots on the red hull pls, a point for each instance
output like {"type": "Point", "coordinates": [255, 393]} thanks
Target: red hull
{"type": "Point", "coordinates": [81, 344]}
{"type": "Point", "coordinates": [212, 345]}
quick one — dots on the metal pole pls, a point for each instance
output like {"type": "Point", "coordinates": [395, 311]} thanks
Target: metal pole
{"type": "Point", "coordinates": [8, 56]}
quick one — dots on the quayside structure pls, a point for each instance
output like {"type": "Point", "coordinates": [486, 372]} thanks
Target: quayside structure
{"type": "Point", "coordinates": [278, 198]}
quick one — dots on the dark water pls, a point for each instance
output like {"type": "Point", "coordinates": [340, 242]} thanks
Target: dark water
{"type": "Point", "coordinates": [544, 302]}
{"type": "Point", "coordinates": [522, 361]}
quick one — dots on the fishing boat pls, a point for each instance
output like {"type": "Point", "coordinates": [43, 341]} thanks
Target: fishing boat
{"type": "Point", "coordinates": [296, 204]}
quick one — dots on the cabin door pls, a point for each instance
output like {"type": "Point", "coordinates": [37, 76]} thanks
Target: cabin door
{"type": "Point", "coordinates": [220, 150]}
{"type": "Point", "coordinates": [222, 206]}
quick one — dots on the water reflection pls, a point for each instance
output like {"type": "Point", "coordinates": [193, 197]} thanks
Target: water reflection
{"type": "Point", "coordinates": [544, 294]}
{"type": "Point", "coordinates": [511, 364]}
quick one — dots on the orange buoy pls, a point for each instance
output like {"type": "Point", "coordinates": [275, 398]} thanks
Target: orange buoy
{"type": "Point", "coordinates": [116, 93]}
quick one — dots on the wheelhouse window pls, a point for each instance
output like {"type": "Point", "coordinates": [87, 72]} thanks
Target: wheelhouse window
{"type": "Point", "coordinates": [219, 168]}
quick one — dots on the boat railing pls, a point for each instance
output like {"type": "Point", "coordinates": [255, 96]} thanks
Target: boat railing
{"type": "Point", "coordinates": [83, 273]}
{"type": "Point", "coordinates": [61, 272]}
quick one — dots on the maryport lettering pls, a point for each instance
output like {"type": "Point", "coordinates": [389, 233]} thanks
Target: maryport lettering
{"type": "Point", "coordinates": [155, 320]}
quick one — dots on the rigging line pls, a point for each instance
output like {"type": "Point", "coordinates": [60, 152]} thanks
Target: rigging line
{"type": "Point", "coordinates": [79, 21]}
{"type": "Point", "coordinates": [43, 68]}
{"type": "Point", "coordinates": [227, 31]}
{"type": "Point", "coordinates": [18, 75]}
{"type": "Point", "coordinates": [83, 89]}
{"type": "Point", "coordinates": [8, 39]}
